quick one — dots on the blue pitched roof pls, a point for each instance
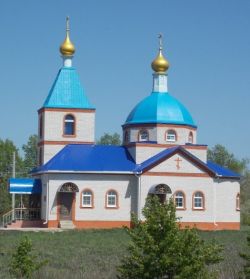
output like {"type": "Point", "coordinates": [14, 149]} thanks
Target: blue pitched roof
{"type": "Point", "coordinates": [67, 91]}
{"type": "Point", "coordinates": [160, 108]}
{"type": "Point", "coordinates": [221, 171]}
{"type": "Point", "coordinates": [111, 158]}
{"type": "Point", "coordinates": [92, 158]}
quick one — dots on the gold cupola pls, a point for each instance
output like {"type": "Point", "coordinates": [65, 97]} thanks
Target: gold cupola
{"type": "Point", "coordinates": [160, 63]}
{"type": "Point", "coordinates": [67, 48]}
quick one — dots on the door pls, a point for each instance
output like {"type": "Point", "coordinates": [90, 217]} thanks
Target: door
{"type": "Point", "coordinates": [66, 201]}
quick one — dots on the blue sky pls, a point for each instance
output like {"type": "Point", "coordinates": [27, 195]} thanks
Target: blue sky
{"type": "Point", "coordinates": [206, 42]}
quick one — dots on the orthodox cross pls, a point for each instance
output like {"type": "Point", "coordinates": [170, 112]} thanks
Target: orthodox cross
{"type": "Point", "coordinates": [178, 160]}
{"type": "Point", "coordinates": [160, 40]}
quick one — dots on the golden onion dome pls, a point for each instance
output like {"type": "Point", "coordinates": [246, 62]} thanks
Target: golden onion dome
{"type": "Point", "coordinates": [160, 63]}
{"type": "Point", "coordinates": [67, 48]}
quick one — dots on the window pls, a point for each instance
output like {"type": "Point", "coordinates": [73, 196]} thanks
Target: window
{"type": "Point", "coordinates": [238, 202]}
{"type": "Point", "coordinates": [40, 151]}
{"type": "Point", "coordinates": [41, 126]}
{"type": "Point", "coordinates": [143, 135]}
{"type": "Point", "coordinates": [87, 198]}
{"type": "Point", "coordinates": [171, 136]}
{"type": "Point", "coordinates": [69, 125]}
{"type": "Point", "coordinates": [112, 199]}
{"type": "Point", "coordinates": [198, 200]}
{"type": "Point", "coordinates": [126, 137]}
{"type": "Point", "coordinates": [179, 200]}
{"type": "Point", "coordinates": [190, 138]}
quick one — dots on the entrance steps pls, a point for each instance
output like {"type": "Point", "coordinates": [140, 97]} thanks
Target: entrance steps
{"type": "Point", "coordinates": [66, 225]}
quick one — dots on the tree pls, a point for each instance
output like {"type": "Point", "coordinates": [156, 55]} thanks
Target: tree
{"type": "Point", "coordinates": [221, 156]}
{"type": "Point", "coordinates": [7, 148]}
{"type": "Point", "coordinates": [160, 249]}
{"type": "Point", "coordinates": [30, 153]}
{"type": "Point", "coordinates": [247, 258]}
{"type": "Point", "coordinates": [23, 262]}
{"type": "Point", "coordinates": [108, 139]}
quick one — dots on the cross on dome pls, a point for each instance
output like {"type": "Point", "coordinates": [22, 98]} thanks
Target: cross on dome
{"type": "Point", "coordinates": [160, 64]}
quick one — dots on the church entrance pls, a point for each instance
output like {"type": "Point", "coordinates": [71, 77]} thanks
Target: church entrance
{"type": "Point", "coordinates": [161, 191]}
{"type": "Point", "coordinates": [66, 201]}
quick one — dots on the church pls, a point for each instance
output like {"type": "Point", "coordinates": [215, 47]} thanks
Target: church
{"type": "Point", "coordinates": [84, 185]}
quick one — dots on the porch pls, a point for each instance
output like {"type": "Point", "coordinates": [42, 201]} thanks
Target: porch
{"type": "Point", "coordinates": [26, 210]}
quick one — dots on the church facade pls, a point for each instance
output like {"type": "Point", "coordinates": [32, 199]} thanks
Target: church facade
{"type": "Point", "coordinates": [99, 186]}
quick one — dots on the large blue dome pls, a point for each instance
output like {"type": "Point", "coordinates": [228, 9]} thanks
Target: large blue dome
{"type": "Point", "coordinates": [160, 108]}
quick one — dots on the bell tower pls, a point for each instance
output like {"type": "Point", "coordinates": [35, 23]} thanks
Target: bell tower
{"type": "Point", "coordinates": [67, 116]}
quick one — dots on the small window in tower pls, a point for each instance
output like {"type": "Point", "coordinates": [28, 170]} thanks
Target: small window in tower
{"type": "Point", "coordinates": [190, 138]}
{"type": "Point", "coordinates": [69, 125]}
{"type": "Point", "coordinates": [41, 126]}
{"type": "Point", "coordinates": [238, 202]}
{"type": "Point", "coordinates": [171, 136]}
{"type": "Point", "coordinates": [143, 135]}
{"type": "Point", "coordinates": [126, 137]}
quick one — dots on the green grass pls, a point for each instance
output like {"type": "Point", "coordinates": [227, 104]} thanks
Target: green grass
{"type": "Point", "coordinates": [95, 254]}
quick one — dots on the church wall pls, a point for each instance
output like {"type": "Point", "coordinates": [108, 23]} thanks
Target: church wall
{"type": "Point", "coordinates": [182, 134]}
{"type": "Point", "coordinates": [188, 185]}
{"type": "Point", "coordinates": [141, 152]}
{"type": "Point", "coordinates": [220, 200]}
{"type": "Point", "coordinates": [54, 122]}
{"type": "Point", "coordinates": [226, 193]}
{"type": "Point", "coordinates": [50, 150]}
{"type": "Point", "coordinates": [125, 185]}
{"type": "Point", "coordinates": [178, 164]}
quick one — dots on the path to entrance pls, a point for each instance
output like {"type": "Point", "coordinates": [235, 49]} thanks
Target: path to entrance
{"type": "Point", "coordinates": [33, 229]}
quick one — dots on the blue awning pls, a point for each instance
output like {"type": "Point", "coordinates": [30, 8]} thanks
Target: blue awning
{"type": "Point", "coordinates": [25, 186]}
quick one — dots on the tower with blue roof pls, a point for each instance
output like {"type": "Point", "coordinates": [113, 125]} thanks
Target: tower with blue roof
{"type": "Point", "coordinates": [66, 116]}
{"type": "Point", "coordinates": [159, 119]}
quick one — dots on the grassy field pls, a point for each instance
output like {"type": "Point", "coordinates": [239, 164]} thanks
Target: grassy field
{"type": "Point", "coordinates": [96, 253]}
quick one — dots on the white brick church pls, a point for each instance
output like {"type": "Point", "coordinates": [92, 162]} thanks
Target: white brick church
{"type": "Point", "coordinates": [98, 186]}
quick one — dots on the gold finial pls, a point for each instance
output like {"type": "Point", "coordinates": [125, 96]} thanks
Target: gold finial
{"type": "Point", "coordinates": [160, 64]}
{"type": "Point", "coordinates": [67, 48]}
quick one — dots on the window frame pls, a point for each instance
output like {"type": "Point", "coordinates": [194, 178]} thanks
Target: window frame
{"type": "Point", "coordinates": [173, 133]}
{"type": "Point", "coordinates": [109, 206]}
{"type": "Point", "coordinates": [202, 198]}
{"type": "Point", "coordinates": [183, 207]}
{"type": "Point", "coordinates": [91, 205]}
{"type": "Point", "coordinates": [191, 136]}
{"type": "Point", "coordinates": [73, 127]}
{"type": "Point", "coordinates": [140, 134]}
{"type": "Point", "coordinates": [238, 202]}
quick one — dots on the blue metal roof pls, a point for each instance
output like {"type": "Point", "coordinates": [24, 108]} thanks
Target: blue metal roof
{"type": "Point", "coordinates": [25, 186]}
{"type": "Point", "coordinates": [92, 158]}
{"type": "Point", "coordinates": [160, 108]}
{"type": "Point", "coordinates": [67, 91]}
{"type": "Point", "coordinates": [221, 171]}
{"type": "Point", "coordinates": [111, 158]}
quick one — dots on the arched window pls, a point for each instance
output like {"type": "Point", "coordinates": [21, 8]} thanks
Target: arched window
{"type": "Point", "coordinates": [179, 199]}
{"type": "Point", "coordinates": [87, 198]}
{"type": "Point", "coordinates": [190, 138]}
{"type": "Point", "coordinates": [238, 202]}
{"type": "Point", "coordinates": [143, 135]}
{"type": "Point", "coordinates": [41, 126]}
{"type": "Point", "coordinates": [126, 137]}
{"type": "Point", "coordinates": [40, 156]}
{"type": "Point", "coordinates": [198, 201]}
{"type": "Point", "coordinates": [69, 125]}
{"type": "Point", "coordinates": [171, 136]}
{"type": "Point", "coordinates": [111, 199]}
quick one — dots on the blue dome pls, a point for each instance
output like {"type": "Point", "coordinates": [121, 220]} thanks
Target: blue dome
{"type": "Point", "coordinates": [160, 108]}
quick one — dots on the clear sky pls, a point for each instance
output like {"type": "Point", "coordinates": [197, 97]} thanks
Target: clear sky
{"type": "Point", "coordinates": [207, 43]}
